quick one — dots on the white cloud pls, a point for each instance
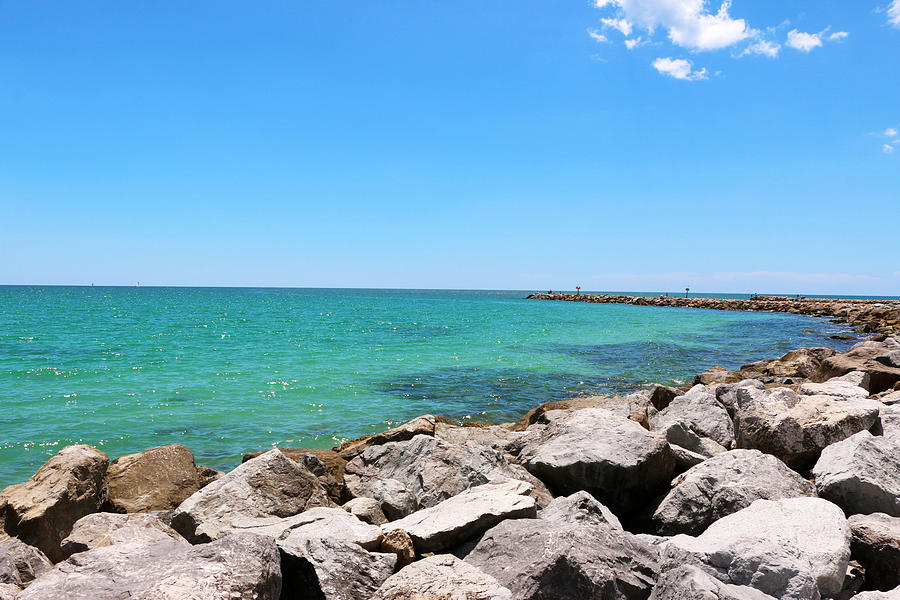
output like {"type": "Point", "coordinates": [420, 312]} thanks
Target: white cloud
{"type": "Point", "coordinates": [636, 43]}
{"type": "Point", "coordinates": [804, 42]}
{"type": "Point", "coordinates": [679, 68]}
{"type": "Point", "coordinates": [887, 149]}
{"type": "Point", "coordinates": [597, 36]}
{"type": "Point", "coordinates": [891, 132]}
{"type": "Point", "coordinates": [893, 13]}
{"type": "Point", "coordinates": [687, 22]}
{"type": "Point", "coordinates": [623, 26]}
{"type": "Point", "coordinates": [762, 47]}
{"type": "Point", "coordinates": [838, 35]}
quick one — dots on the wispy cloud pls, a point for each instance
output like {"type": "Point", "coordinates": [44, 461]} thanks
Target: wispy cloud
{"type": "Point", "coordinates": [762, 47]}
{"type": "Point", "coordinates": [806, 42]}
{"type": "Point", "coordinates": [891, 132]}
{"type": "Point", "coordinates": [679, 68]}
{"type": "Point", "coordinates": [597, 36]}
{"type": "Point", "coordinates": [893, 13]}
{"type": "Point", "coordinates": [887, 149]}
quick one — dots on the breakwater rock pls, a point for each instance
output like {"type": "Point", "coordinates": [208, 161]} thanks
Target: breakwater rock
{"type": "Point", "coordinates": [866, 316]}
{"type": "Point", "coordinates": [777, 480]}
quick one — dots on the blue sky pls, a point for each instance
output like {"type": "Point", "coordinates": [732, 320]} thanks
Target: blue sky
{"type": "Point", "coordinates": [522, 145]}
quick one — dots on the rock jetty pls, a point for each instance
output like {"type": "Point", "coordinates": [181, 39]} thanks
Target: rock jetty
{"type": "Point", "coordinates": [866, 316]}
{"type": "Point", "coordinates": [777, 480]}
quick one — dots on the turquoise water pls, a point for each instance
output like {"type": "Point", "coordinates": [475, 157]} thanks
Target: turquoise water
{"type": "Point", "coordinates": [227, 371]}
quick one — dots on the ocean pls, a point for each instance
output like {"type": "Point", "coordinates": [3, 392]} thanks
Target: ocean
{"type": "Point", "coordinates": [226, 371]}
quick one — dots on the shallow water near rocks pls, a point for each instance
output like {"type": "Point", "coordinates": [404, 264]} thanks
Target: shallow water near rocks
{"type": "Point", "coordinates": [231, 370]}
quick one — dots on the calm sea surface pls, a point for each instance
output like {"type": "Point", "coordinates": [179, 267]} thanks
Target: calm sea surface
{"type": "Point", "coordinates": [227, 371]}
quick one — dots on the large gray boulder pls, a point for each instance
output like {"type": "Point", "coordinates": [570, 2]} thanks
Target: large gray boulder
{"type": "Point", "coordinates": [366, 509]}
{"type": "Point", "coordinates": [613, 458]}
{"type": "Point", "coordinates": [466, 515]}
{"type": "Point", "coordinates": [690, 583]}
{"type": "Point", "coordinates": [315, 523]}
{"type": "Point", "coordinates": [875, 544]}
{"type": "Point", "coordinates": [493, 436]}
{"type": "Point", "coordinates": [238, 566]}
{"type": "Point", "coordinates": [861, 474]}
{"type": "Point", "coordinates": [796, 428]}
{"type": "Point", "coordinates": [852, 385]}
{"type": "Point", "coordinates": [700, 412]}
{"type": "Point", "coordinates": [105, 529]}
{"type": "Point", "coordinates": [541, 558]}
{"type": "Point", "coordinates": [893, 594]}
{"type": "Point", "coordinates": [42, 510]}
{"type": "Point", "coordinates": [423, 425]}
{"type": "Point", "coordinates": [424, 471]}
{"type": "Point", "coordinates": [580, 508]}
{"type": "Point", "coordinates": [270, 485]}
{"type": "Point", "coordinates": [725, 484]}
{"type": "Point", "coordinates": [794, 548]}
{"type": "Point", "coordinates": [20, 563]}
{"type": "Point", "coordinates": [156, 479]}
{"type": "Point", "coordinates": [442, 576]}
{"type": "Point", "coordinates": [332, 569]}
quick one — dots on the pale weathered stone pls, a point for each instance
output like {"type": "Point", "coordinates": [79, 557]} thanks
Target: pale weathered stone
{"type": "Point", "coordinates": [238, 566]}
{"type": "Point", "coordinates": [687, 582]}
{"type": "Point", "coordinates": [270, 485]}
{"type": "Point", "coordinates": [431, 470]}
{"type": "Point", "coordinates": [493, 436]}
{"type": "Point", "coordinates": [441, 577]}
{"type": "Point", "coordinates": [852, 385]}
{"type": "Point", "coordinates": [327, 465]}
{"type": "Point", "coordinates": [580, 507]}
{"type": "Point", "coordinates": [795, 548]}
{"type": "Point", "coordinates": [9, 591]}
{"type": "Point", "coordinates": [613, 458]}
{"type": "Point", "coordinates": [699, 411]}
{"type": "Point", "coordinates": [332, 569]}
{"type": "Point", "coordinates": [423, 425]}
{"type": "Point", "coordinates": [875, 543]}
{"type": "Point", "coordinates": [893, 594]}
{"type": "Point", "coordinates": [542, 559]}
{"type": "Point", "coordinates": [861, 474]}
{"type": "Point", "coordinates": [156, 479]}
{"type": "Point", "coordinates": [20, 563]}
{"type": "Point", "coordinates": [366, 509]}
{"type": "Point", "coordinates": [315, 523]}
{"type": "Point", "coordinates": [42, 510]}
{"type": "Point", "coordinates": [466, 515]}
{"type": "Point", "coordinates": [725, 484]}
{"type": "Point", "coordinates": [105, 529]}
{"type": "Point", "coordinates": [796, 428]}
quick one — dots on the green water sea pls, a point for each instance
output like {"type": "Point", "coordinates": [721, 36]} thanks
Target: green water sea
{"type": "Point", "coordinates": [227, 371]}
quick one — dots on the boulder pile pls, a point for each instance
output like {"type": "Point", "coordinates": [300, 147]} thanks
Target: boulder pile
{"type": "Point", "coordinates": [784, 484]}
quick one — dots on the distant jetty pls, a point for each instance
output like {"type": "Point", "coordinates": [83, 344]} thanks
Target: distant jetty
{"type": "Point", "coordinates": [866, 316]}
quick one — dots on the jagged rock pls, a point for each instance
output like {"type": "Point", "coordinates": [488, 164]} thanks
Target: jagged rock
{"type": "Point", "coordinates": [493, 436]}
{"type": "Point", "coordinates": [423, 425]}
{"type": "Point", "coordinates": [859, 358]}
{"type": "Point", "coordinates": [398, 542]}
{"type": "Point", "coordinates": [616, 404]}
{"type": "Point", "coordinates": [891, 359]}
{"type": "Point", "coordinates": [431, 470]}
{"type": "Point", "coordinates": [9, 591]}
{"type": "Point", "coordinates": [466, 515]}
{"type": "Point", "coordinates": [580, 507]}
{"type": "Point", "coordinates": [616, 460]}
{"type": "Point", "coordinates": [208, 475]}
{"type": "Point", "coordinates": [801, 363]}
{"type": "Point", "coordinates": [698, 411]}
{"type": "Point", "coordinates": [441, 577]}
{"type": "Point", "coordinates": [717, 375]}
{"type": "Point", "coordinates": [238, 566]}
{"type": "Point", "coordinates": [318, 522]}
{"type": "Point", "coordinates": [794, 548]}
{"type": "Point", "coordinates": [690, 583]}
{"type": "Point", "coordinates": [332, 569]}
{"type": "Point", "coordinates": [662, 395]}
{"type": "Point", "coordinates": [796, 428]}
{"type": "Point", "coordinates": [875, 543]}
{"type": "Point", "coordinates": [852, 385]}
{"type": "Point", "coordinates": [679, 434]}
{"type": "Point", "coordinates": [271, 485]}
{"type": "Point", "coordinates": [725, 484]}
{"type": "Point", "coordinates": [367, 510]}
{"type": "Point", "coordinates": [156, 479]}
{"type": "Point", "coordinates": [861, 474]}
{"type": "Point", "coordinates": [20, 563]}
{"type": "Point", "coordinates": [854, 580]}
{"type": "Point", "coordinates": [42, 510]}
{"type": "Point", "coordinates": [894, 594]}
{"type": "Point", "coordinates": [685, 459]}
{"type": "Point", "coordinates": [105, 529]}
{"type": "Point", "coordinates": [733, 396]}
{"type": "Point", "coordinates": [327, 465]}
{"type": "Point", "coordinates": [540, 558]}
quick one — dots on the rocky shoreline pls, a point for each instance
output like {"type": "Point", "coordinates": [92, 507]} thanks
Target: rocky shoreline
{"type": "Point", "coordinates": [778, 480]}
{"type": "Point", "coordinates": [866, 316]}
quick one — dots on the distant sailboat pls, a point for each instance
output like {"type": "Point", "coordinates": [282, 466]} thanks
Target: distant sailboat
{"type": "Point", "coordinates": [138, 284]}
